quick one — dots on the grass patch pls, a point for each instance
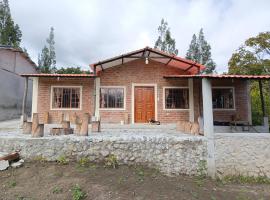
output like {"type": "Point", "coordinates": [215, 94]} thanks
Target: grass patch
{"type": "Point", "coordinates": [40, 159]}
{"type": "Point", "coordinates": [83, 162]}
{"type": "Point", "coordinates": [12, 183]}
{"type": "Point", "coordinates": [57, 190]}
{"type": "Point", "coordinates": [62, 160]}
{"type": "Point", "coordinates": [111, 161]}
{"type": "Point", "coordinates": [202, 175]}
{"type": "Point", "coordinates": [77, 193]}
{"type": "Point", "coordinates": [245, 180]}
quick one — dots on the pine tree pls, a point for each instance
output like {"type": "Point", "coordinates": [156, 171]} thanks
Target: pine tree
{"type": "Point", "coordinates": [200, 51]}
{"type": "Point", "coordinates": [47, 58]}
{"type": "Point", "coordinates": [165, 42]}
{"type": "Point", "coordinates": [10, 33]}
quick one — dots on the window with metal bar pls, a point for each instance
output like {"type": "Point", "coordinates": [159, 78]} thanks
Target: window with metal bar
{"type": "Point", "coordinates": [176, 98]}
{"type": "Point", "coordinates": [223, 98]}
{"type": "Point", "coordinates": [112, 98]}
{"type": "Point", "coordinates": [66, 98]}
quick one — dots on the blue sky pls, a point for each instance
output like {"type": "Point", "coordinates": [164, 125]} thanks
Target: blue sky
{"type": "Point", "coordinates": [87, 31]}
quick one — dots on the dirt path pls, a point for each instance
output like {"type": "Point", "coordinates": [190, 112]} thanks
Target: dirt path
{"type": "Point", "coordinates": [54, 181]}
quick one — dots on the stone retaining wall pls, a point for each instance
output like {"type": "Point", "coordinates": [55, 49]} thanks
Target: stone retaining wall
{"type": "Point", "coordinates": [171, 155]}
{"type": "Point", "coordinates": [245, 154]}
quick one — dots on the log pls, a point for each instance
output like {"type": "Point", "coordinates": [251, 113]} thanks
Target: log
{"type": "Point", "coordinates": [61, 117]}
{"type": "Point", "coordinates": [180, 126]}
{"type": "Point", "coordinates": [126, 118]}
{"type": "Point", "coordinates": [195, 129]}
{"type": "Point", "coordinates": [95, 126]}
{"type": "Point", "coordinates": [35, 123]}
{"type": "Point", "coordinates": [46, 118]}
{"type": "Point", "coordinates": [84, 126]}
{"type": "Point", "coordinates": [39, 132]}
{"type": "Point", "coordinates": [187, 127]}
{"type": "Point", "coordinates": [11, 156]}
{"type": "Point", "coordinates": [78, 129]}
{"type": "Point", "coordinates": [27, 127]}
{"type": "Point", "coordinates": [65, 124]}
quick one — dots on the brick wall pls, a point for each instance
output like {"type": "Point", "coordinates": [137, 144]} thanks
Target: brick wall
{"type": "Point", "coordinates": [44, 97]}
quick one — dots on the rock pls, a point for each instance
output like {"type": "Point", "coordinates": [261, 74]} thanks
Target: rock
{"type": "Point", "coordinates": [17, 164]}
{"type": "Point", "coordinates": [3, 164]}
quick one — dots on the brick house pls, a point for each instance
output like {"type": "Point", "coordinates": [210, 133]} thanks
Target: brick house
{"type": "Point", "coordinates": [143, 85]}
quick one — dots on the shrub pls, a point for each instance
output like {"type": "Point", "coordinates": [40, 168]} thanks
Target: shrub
{"type": "Point", "coordinates": [77, 193]}
{"type": "Point", "coordinates": [62, 160]}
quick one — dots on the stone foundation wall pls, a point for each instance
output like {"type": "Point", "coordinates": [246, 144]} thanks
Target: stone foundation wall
{"type": "Point", "coordinates": [242, 154]}
{"type": "Point", "coordinates": [175, 155]}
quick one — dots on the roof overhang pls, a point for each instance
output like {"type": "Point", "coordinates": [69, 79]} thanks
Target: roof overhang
{"type": "Point", "coordinates": [60, 75]}
{"type": "Point", "coordinates": [216, 76]}
{"type": "Point", "coordinates": [151, 54]}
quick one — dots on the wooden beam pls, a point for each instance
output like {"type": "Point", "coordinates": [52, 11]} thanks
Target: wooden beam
{"type": "Point", "coordinates": [169, 61]}
{"type": "Point", "coordinates": [262, 98]}
{"type": "Point", "coordinates": [24, 115]}
{"type": "Point", "coordinates": [189, 67]}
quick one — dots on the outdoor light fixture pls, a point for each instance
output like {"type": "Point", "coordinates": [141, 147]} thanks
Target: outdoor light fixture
{"type": "Point", "coordinates": [146, 61]}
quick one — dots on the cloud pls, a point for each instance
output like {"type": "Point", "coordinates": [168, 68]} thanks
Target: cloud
{"type": "Point", "coordinates": [88, 31]}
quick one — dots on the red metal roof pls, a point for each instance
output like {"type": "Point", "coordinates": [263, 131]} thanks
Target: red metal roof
{"type": "Point", "coordinates": [60, 75]}
{"type": "Point", "coordinates": [220, 76]}
{"type": "Point", "coordinates": [153, 54]}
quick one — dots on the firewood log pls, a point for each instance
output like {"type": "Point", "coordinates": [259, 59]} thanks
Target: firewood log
{"type": "Point", "coordinates": [84, 126]}
{"type": "Point", "coordinates": [46, 118]}
{"type": "Point", "coordinates": [27, 127]}
{"type": "Point", "coordinates": [65, 124]}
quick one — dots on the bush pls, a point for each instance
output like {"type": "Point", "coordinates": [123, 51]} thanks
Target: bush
{"type": "Point", "coordinates": [77, 193]}
{"type": "Point", "coordinates": [111, 161]}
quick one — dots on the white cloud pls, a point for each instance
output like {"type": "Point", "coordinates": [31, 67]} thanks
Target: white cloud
{"type": "Point", "coordinates": [87, 31]}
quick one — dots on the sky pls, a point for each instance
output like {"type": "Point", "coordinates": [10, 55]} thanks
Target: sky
{"type": "Point", "coordinates": [87, 31]}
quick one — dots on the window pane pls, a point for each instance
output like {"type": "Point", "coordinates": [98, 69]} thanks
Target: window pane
{"type": "Point", "coordinates": [176, 98]}
{"type": "Point", "coordinates": [66, 98]}
{"type": "Point", "coordinates": [223, 98]}
{"type": "Point", "coordinates": [111, 98]}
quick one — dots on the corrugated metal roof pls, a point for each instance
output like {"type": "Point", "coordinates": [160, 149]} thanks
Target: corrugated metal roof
{"type": "Point", "coordinates": [221, 76]}
{"type": "Point", "coordinates": [152, 54]}
{"type": "Point", "coordinates": [60, 75]}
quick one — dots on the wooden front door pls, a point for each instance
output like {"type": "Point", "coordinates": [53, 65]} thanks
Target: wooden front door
{"type": "Point", "coordinates": [144, 99]}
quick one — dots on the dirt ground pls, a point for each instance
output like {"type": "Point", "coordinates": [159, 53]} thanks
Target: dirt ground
{"type": "Point", "coordinates": [37, 180]}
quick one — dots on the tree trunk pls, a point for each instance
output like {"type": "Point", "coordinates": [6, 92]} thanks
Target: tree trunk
{"type": "Point", "coordinates": [84, 126]}
{"type": "Point", "coordinates": [262, 98]}
{"type": "Point", "coordinates": [27, 127]}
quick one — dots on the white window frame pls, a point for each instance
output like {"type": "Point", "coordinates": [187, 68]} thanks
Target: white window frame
{"type": "Point", "coordinates": [164, 100]}
{"type": "Point", "coordinates": [225, 109]}
{"type": "Point", "coordinates": [117, 87]}
{"type": "Point", "coordinates": [66, 86]}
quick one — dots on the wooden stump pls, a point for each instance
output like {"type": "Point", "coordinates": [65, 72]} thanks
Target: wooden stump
{"type": "Point", "coordinates": [46, 118]}
{"type": "Point", "coordinates": [126, 118]}
{"type": "Point", "coordinates": [27, 127]}
{"type": "Point", "coordinates": [84, 126]}
{"type": "Point", "coordinates": [180, 126]}
{"type": "Point", "coordinates": [187, 127]}
{"type": "Point", "coordinates": [195, 129]}
{"type": "Point", "coordinates": [95, 126]}
{"type": "Point", "coordinates": [65, 124]}
{"type": "Point", "coordinates": [37, 129]}
{"type": "Point", "coordinates": [78, 128]}
{"type": "Point", "coordinates": [61, 117]}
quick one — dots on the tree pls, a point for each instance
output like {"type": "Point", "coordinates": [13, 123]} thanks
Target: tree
{"type": "Point", "coordinates": [10, 33]}
{"type": "Point", "coordinates": [253, 58]}
{"type": "Point", "coordinates": [71, 70]}
{"type": "Point", "coordinates": [200, 51]}
{"type": "Point", "coordinates": [47, 58]}
{"type": "Point", "coordinates": [165, 42]}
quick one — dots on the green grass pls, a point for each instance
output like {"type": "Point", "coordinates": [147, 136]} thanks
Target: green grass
{"type": "Point", "coordinates": [245, 180]}
{"type": "Point", "coordinates": [77, 193]}
{"type": "Point", "coordinates": [62, 160]}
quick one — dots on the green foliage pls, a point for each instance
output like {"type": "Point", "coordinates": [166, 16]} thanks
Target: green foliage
{"type": "Point", "coordinates": [71, 70]}
{"type": "Point", "coordinates": [12, 183]}
{"type": "Point", "coordinates": [57, 190]}
{"type": "Point", "coordinates": [77, 193]}
{"type": "Point", "coordinates": [202, 173]}
{"type": "Point", "coordinates": [40, 158]}
{"type": "Point", "coordinates": [252, 57]}
{"type": "Point", "coordinates": [47, 58]}
{"type": "Point", "coordinates": [10, 33]}
{"type": "Point", "coordinates": [111, 161]}
{"type": "Point", "coordinates": [62, 160]}
{"type": "Point", "coordinates": [200, 52]}
{"type": "Point", "coordinates": [165, 42]}
{"type": "Point", "coordinates": [83, 162]}
{"type": "Point", "coordinates": [245, 180]}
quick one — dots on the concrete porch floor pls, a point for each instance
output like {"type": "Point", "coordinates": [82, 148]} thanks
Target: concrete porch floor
{"type": "Point", "coordinates": [11, 128]}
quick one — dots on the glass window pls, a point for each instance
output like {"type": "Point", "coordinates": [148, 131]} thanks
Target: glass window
{"type": "Point", "coordinates": [112, 98]}
{"type": "Point", "coordinates": [66, 98]}
{"type": "Point", "coordinates": [176, 98]}
{"type": "Point", "coordinates": [223, 98]}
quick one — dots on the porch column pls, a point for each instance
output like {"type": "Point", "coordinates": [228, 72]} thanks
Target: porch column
{"type": "Point", "coordinates": [97, 92]}
{"type": "Point", "coordinates": [191, 100]}
{"type": "Point", "coordinates": [208, 127]}
{"type": "Point", "coordinates": [35, 95]}
{"type": "Point", "coordinates": [24, 114]}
